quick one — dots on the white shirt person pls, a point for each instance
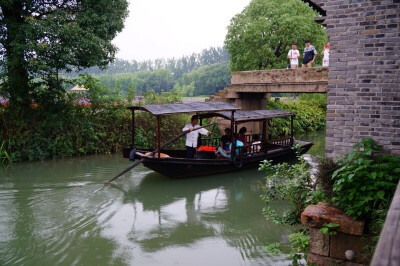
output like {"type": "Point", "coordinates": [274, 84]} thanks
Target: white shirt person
{"type": "Point", "coordinates": [193, 135]}
{"type": "Point", "coordinates": [325, 53]}
{"type": "Point", "coordinates": [294, 56]}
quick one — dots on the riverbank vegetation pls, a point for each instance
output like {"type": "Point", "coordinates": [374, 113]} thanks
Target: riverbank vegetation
{"type": "Point", "coordinates": [361, 183]}
{"type": "Point", "coordinates": [310, 110]}
{"type": "Point", "coordinates": [68, 128]}
{"type": "Point", "coordinates": [98, 122]}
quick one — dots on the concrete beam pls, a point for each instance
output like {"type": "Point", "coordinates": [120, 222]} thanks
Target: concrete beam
{"type": "Point", "coordinates": [312, 87]}
{"type": "Point", "coordinates": [281, 76]}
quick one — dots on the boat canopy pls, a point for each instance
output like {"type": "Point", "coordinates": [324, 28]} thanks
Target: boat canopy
{"type": "Point", "coordinates": [255, 115]}
{"type": "Point", "coordinates": [181, 108]}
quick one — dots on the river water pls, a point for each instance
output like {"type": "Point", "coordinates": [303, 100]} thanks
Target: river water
{"type": "Point", "coordinates": [57, 212]}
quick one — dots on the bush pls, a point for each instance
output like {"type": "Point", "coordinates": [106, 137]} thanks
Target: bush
{"type": "Point", "coordinates": [293, 183]}
{"type": "Point", "coordinates": [290, 182]}
{"type": "Point", "coordinates": [310, 116]}
{"type": "Point", "coordinates": [325, 169]}
{"type": "Point", "coordinates": [365, 180]}
{"type": "Point", "coordinates": [362, 184]}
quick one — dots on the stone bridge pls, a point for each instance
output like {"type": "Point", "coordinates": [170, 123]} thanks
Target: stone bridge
{"type": "Point", "coordinates": [250, 89]}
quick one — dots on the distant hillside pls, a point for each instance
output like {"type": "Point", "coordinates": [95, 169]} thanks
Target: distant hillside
{"type": "Point", "coordinates": [177, 67]}
{"type": "Point", "coordinates": [197, 74]}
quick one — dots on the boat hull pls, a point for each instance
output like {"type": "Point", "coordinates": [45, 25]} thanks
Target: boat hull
{"type": "Point", "coordinates": [182, 167]}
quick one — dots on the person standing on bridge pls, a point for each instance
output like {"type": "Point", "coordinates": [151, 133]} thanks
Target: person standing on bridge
{"type": "Point", "coordinates": [309, 55]}
{"type": "Point", "coordinates": [294, 56]}
{"type": "Point", "coordinates": [325, 53]}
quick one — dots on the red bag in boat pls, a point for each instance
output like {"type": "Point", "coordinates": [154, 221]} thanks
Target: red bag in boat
{"type": "Point", "coordinates": [206, 148]}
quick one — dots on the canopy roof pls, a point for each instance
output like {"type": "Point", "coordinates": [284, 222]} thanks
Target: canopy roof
{"type": "Point", "coordinates": [255, 115]}
{"type": "Point", "coordinates": [180, 108]}
{"type": "Point", "coordinates": [79, 88]}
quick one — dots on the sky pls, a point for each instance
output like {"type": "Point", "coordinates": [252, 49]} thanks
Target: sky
{"type": "Point", "coordinates": [173, 28]}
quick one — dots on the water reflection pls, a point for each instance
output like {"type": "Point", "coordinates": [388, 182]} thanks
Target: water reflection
{"type": "Point", "coordinates": [221, 211]}
{"type": "Point", "coordinates": [318, 138]}
{"type": "Point", "coordinates": [57, 212]}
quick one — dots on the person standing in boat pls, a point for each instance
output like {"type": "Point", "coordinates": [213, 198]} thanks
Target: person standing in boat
{"type": "Point", "coordinates": [192, 136]}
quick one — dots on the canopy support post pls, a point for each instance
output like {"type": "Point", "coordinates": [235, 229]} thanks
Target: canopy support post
{"type": "Point", "coordinates": [133, 129]}
{"type": "Point", "coordinates": [158, 136]}
{"type": "Point", "coordinates": [201, 119]}
{"type": "Point", "coordinates": [291, 131]}
{"type": "Point", "coordinates": [199, 139]}
{"type": "Point", "coordinates": [233, 129]}
{"type": "Point", "coordinates": [264, 132]}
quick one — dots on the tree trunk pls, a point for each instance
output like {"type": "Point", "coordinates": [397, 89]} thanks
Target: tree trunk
{"type": "Point", "coordinates": [17, 83]}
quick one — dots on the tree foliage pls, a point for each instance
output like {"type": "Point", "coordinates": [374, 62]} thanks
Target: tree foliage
{"type": "Point", "coordinates": [310, 116]}
{"type": "Point", "coordinates": [206, 80]}
{"type": "Point", "coordinates": [177, 66]}
{"type": "Point", "coordinates": [262, 34]}
{"type": "Point", "coordinates": [39, 38]}
{"type": "Point", "coordinates": [158, 80]}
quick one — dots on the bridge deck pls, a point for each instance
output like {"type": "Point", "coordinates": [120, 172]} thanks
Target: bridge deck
{"type": "Point", "coordinates": [302, 80]}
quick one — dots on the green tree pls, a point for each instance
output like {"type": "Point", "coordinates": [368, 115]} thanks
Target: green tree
{"type": "Point", "coordinates": [39, 38]}
{"type": "Point", "coordinates": [206, 79]}
{"type": "Point", "coordinates": [261, 36]}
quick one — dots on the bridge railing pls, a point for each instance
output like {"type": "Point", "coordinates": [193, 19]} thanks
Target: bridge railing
{"type": "Point", "coordinates": [387, 251]}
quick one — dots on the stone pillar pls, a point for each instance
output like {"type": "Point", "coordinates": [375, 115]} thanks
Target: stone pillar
{"type": "Point", "coordinates": [252, 101]}
{"type": "Point", "coordinates": [344, 248]}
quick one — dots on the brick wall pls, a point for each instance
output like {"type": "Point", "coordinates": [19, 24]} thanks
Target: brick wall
{"type": "Point", "coordinates": [363, 79]}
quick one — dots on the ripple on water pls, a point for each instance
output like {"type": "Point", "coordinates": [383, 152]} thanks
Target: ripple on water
{"type": "Point", "coordinates": [78, 184]}
{"type": "Point", "coordinates": [58, 212]}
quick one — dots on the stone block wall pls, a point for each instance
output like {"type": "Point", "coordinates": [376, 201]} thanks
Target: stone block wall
{"type": "Point", "coordinates": [344, 246]}
{"type": "Point", "coordinates": [364, 74]}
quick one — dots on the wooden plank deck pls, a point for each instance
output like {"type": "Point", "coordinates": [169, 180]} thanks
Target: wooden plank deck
{"type": "Point", "coordinates": [387, 252]}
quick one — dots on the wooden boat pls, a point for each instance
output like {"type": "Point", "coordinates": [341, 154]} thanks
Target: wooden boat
{"type": "Point", "coordinates": [176, 165]}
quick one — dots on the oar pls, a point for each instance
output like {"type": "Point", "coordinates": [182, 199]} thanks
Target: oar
{"type": "Point", "coordinates": [162, 147]}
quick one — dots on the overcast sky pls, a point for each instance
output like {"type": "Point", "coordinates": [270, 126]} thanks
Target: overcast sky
{"type": "Point", "coordinates": [172, 28]}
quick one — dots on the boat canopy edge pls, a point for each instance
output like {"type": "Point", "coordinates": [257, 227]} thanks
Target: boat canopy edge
{"type": "Point", "coordinates": [255, 115]}
{"type": "Point", "coordinates": [181, 108]}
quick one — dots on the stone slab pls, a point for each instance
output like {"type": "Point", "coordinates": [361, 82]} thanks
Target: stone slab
{"type": "Point", "coordinates": [315, 216]}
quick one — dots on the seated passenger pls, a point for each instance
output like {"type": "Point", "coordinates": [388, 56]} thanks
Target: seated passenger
{"type": "Point", "coordinates": [242, 135]}
{"type": "Point", "coordinates": [226, 139]}
{"type": "Point", "coordinates": [256, 144]}
{"type": "Point", "coordinates": [228, 153]}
